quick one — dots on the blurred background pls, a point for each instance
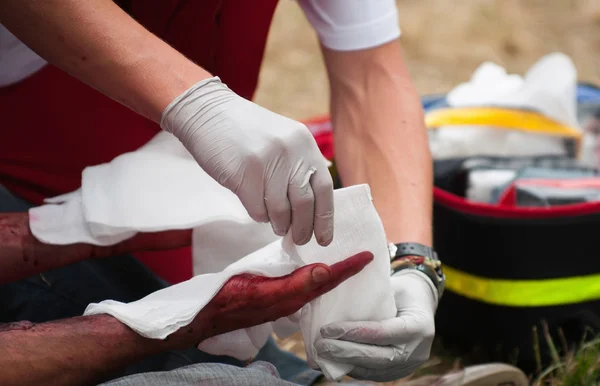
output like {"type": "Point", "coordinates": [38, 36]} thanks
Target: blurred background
{"type": "Point", "coordinates": [444, 41]}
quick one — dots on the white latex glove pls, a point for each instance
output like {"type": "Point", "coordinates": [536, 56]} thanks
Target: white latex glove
{"type": "Point", "coordinates": [270, 162]}
{"type": "Point", "coordinates": [392, 349]}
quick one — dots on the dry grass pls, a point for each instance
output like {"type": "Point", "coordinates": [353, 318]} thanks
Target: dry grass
{"type": "Point", "coordinates": [580, 367]}
{"type": "Point", "coordinates": [444, 41]}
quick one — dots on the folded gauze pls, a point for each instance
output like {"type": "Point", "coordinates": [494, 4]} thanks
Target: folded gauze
{"type": "Point", "coordinates": [160, 187]}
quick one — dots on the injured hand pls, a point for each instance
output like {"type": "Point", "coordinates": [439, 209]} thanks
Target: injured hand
{"type": "Point", "coordinates": [248, 300]}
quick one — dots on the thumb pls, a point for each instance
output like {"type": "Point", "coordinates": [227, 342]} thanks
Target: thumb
{"type": "Point", "coordinates": [367, 332]}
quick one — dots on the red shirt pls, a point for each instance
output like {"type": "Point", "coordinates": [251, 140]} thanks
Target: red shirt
{"type": "Point", "coordinates": [54, 126]}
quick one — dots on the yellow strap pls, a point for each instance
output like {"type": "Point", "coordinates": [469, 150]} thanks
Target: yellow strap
{"type": "Point", "coordinates": [501, 118]}
{"type": "Point", "coordinates": [523, 293]}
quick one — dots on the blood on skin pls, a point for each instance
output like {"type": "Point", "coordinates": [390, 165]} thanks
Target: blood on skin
{"type": "Point", "coordinates": [247, 297]}
{"type": "Point", "coordinates": [245, 285]}
{"type": "Point", "coordinates": [13, 233]}
{"type": "Point", "coordinates": [353, 262]}
{"type": "Point", "coordinates": [248, 284]}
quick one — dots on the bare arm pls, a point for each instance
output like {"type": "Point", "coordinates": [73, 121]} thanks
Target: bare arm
{"type": "Point", "coordinates": [87, 349]}
{"type": "Point", "coordinates": [74, 351]}
{"type": "Point", "coordinates": [380, 137]}
{"type": "Point", "coordinates": [22, 255]}
{"type": "Point", "coordinates": [101, 45]}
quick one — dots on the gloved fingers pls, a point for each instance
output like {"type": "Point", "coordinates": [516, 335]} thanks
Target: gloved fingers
{"type": "Point", "coordinates": [254, 200]}
{"type": "Point", "coordinates": [302, 201]}
{"type": "Point", "coordinates": [278, 206]}
{"type": "Point", "coordinates": [322, 186]}
{"type": "Point", "coordinates": [257, 212]}
{"type": "Point", "coordinates": [409, 327]}
{"type": "Point", "coordinates": [358, 354]}
{"type": "Point", "coordinates": [383, 333]}
{"type": "Point", "coordinates": [383, 375]}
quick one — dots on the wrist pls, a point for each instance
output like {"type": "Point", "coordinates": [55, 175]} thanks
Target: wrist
{"type": "Point", "coordinates": [192, 109]}
{"type": "Point", "coordinates": [161, 88]}
{"type": "Point", "coordinates": [419, 258]}
{"type": "Point", "coordinates": [202, 327]}
{"type": "Point", "coordinates": [139, 346]}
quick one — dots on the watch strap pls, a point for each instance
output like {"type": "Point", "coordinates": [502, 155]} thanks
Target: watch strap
{"type": "Point", "coordinates": [412, 249]}
{"type": "Point", "coordinates": [418, 257]}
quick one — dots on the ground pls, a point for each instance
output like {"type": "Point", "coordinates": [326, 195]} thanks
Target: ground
{"type": "Point", "coordinates": [443, 41]}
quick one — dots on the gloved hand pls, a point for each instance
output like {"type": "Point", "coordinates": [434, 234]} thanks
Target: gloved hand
{"type": "Point", "coordinates": [391, 349]}
{"type": "Point", "coordinates": [270, 162]}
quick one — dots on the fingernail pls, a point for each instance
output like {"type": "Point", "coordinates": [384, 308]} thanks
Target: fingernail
{"type": "Point", "coordinates": [320, 275]}
{"type": "Point", "coordinates": [326, 238]}
{"type": "Point", "coordinates": [302, 240]}
{"type": "Point", "coordinates": [325, 241]}
{"type": "Point", "coordinates": [280, 232]}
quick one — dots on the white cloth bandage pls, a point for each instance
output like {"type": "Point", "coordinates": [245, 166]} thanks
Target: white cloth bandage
{"type": "Point", "coordinates": [160, 187]}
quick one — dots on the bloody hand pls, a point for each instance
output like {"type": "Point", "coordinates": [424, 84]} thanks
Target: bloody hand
{"type": "Point", "coordinates": [248, 300]}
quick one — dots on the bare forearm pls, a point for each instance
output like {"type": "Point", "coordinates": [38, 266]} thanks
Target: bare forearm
{"type": "Point", "coordinates": [380, 137]}
{"type": "Point", "coordinates": [101, 45]}
{"type": "Point", "coordinates": [74, 351]}
{"type": "Point", "coordinates": [22, 255]}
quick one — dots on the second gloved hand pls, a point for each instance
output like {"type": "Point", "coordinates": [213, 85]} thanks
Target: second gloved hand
{"type": "Point", "coordinates": [270, 162]}
{"type": "Point", "coordinates": [394, 348]}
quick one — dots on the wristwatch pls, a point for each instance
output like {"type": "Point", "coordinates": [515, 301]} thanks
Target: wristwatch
{"type": "Point", "coordinates": [420, 257]}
